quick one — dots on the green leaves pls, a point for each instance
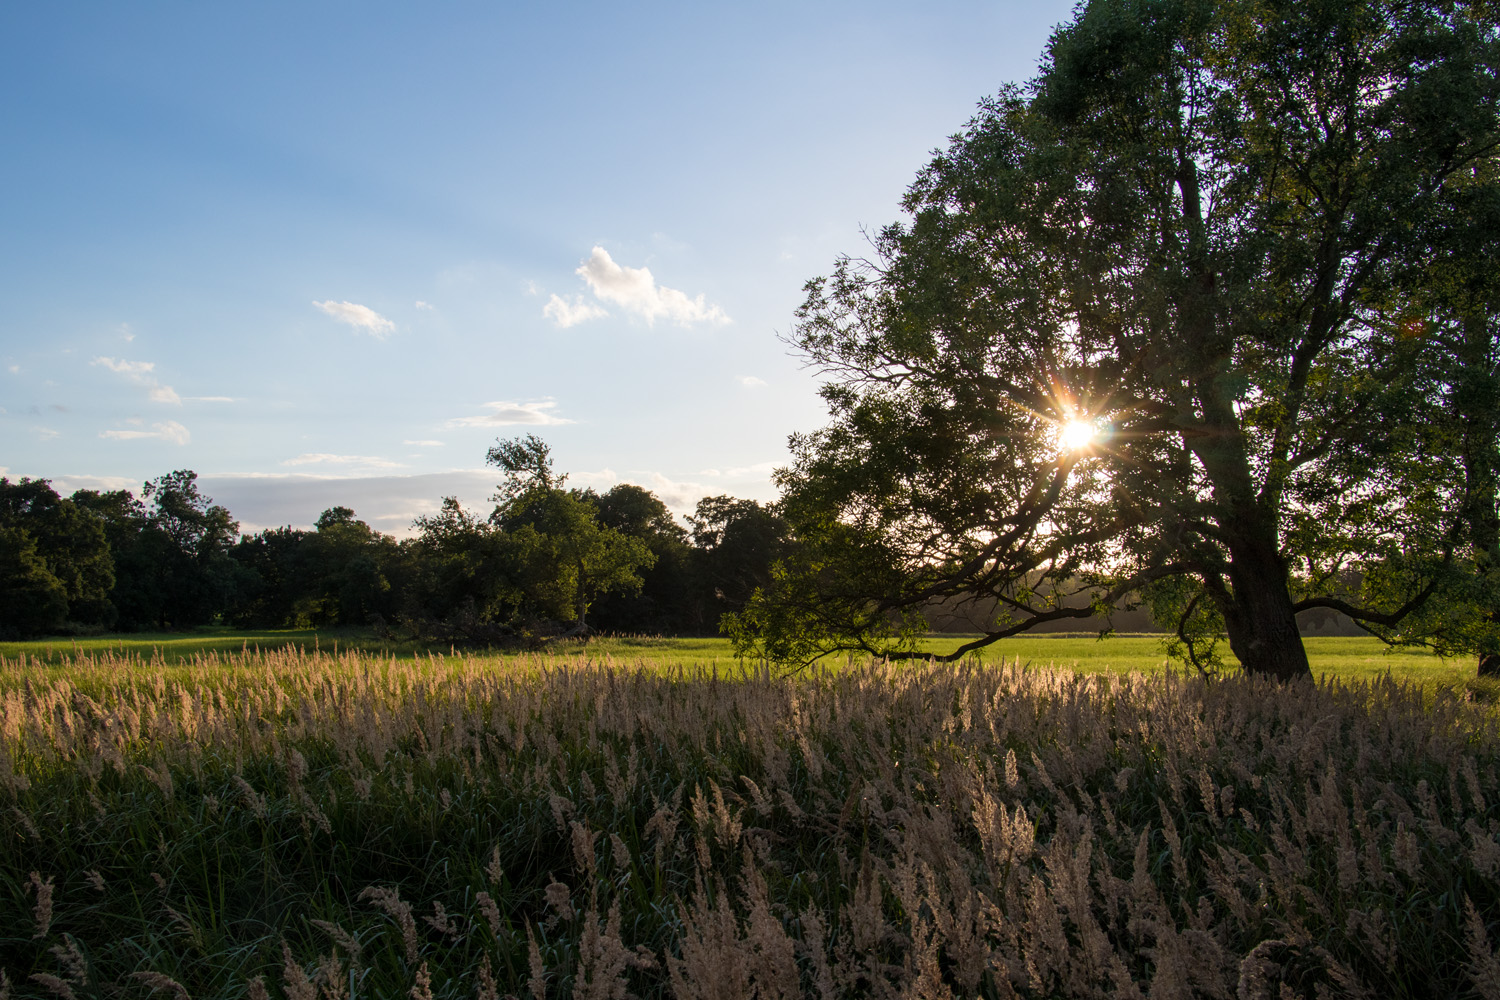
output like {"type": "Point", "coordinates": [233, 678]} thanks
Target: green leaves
{"type": "Point", "coordinates": [1205, 225]}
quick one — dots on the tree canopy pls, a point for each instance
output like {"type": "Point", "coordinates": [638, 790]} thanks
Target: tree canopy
{"type": "Point", "coordinates": [1164, 325]}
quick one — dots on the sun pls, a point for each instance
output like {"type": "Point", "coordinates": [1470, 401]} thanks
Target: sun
{"type": "Point", "coordinates": [1076, 434]}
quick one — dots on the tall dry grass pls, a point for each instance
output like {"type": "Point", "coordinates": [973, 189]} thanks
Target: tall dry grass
{"type": "Point", "coordinates": [315, 827]}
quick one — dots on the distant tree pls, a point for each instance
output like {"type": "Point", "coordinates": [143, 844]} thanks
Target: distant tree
{"type": "Point", "coordinates": [1156, 325]}
{"type": "Point", "coordinates": [33, 601]}
{"type": "Point", "coordinates": [133, 599]}
{"type": "Point", "coordinates": [339, 574]}
{"type": "Point", "coordinates": [348, 569]}
{"type": "Point", "coordinates": [335, 517]}
{"type": "Point", "coordinates": [527, 463]}
{"type": "Point", "coordinates": [736, 543]}
{"type": "Point", "coordinates": [275, 593]}
{"type": "Point", "coordinates": [52, 537]}
{"type": "Point", "coordinates": [636, 511]}
{"type": "Point", "coordinates": [176, 572]}
{"type": "Point", "coordinates": [664, 603]}
{"type": "Point", "coordinates": [463, 577]}
{"type": "Point", "coordinates": [564, 557]}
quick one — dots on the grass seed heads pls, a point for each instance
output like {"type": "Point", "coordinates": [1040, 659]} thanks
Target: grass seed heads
{"type": "Point", "coordinates": [359, 825]}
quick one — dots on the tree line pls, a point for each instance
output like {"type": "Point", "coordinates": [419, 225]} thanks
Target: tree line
{"type": "Point", "coordinates": [546, 560]}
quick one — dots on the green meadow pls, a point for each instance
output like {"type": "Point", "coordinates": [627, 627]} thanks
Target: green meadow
{"type": "Point", "coordinates": [1345, 658]}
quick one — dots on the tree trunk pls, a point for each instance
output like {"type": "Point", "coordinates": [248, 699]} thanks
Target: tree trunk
{"type": "Point", "coordinates": [582, 600]}
{"type": "Point", "coordinates": [1259, 618]}
{"type": "Point", "coordinates": [1489, 665]}
{"type": "Point", "coordinates": [1477, 401]}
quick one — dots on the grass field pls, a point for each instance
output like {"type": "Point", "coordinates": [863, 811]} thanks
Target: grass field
{"type": "Point", "coordinates": [1345, 658]}
{"type": "Point", "coordinates": [322, 827]}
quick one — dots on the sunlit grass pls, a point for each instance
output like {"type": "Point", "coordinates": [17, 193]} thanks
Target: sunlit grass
{"type": "Point", "coordinates": [1346, 658]}
{"type": "Point", "coordinates": [387, 825]}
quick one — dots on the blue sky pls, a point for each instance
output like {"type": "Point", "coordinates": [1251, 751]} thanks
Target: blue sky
{"type": "Point", "coordinates": [328, 253]}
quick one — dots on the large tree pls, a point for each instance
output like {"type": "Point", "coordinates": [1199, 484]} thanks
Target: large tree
{"type": "Point", "coordinates": [1157, 325]}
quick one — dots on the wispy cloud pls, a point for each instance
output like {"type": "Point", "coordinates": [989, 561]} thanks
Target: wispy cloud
{"type": "Point", "coordinates": [45, 433]}
{"type": "Point", "coordinates": [135, 369]}
{"type": "Point", "coordinates": [566, 314]}
{"type": "Point", "coordinates": [604, 478]}
{"type": "Point", "coordinates": [424, 305]}
{"type": "Point", "coordinates": [424, 444]}
{"type": "Point", "coordinates": [635, 290]}
{"type": "Point", "coordinates": [209, 399]}
{"type": "Point", "coordinates": [139, 372]}
{"type": "Point", "coordinates": [323, 458]}
{"type": "Point", "coordinates": [68, 484]}
{"type": "Point", "coordinates": [361, 317]}
{"type": "Point", "coordinates": [680, 497]}
{"type": "Point", "coordinates": [504, 414]}
{"type": "Point", "coordinates": [760, 470]}
{"type": "Point", "coordinates": [167, 430]}
{"type": "Point", "coordinates": [751, 381]}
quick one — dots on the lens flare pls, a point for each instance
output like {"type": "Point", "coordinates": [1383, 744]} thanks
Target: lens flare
{"type": "Point", "coordinates": [1076, 434]}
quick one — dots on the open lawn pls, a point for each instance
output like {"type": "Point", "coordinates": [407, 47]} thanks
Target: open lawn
{"type": "Point", "coordinates": [1346, 658]}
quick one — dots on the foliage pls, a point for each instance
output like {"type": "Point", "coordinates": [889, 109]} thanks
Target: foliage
{"type": "Point", "coordinates": [1460, 316]}
{"type": "Point", "coordinates": [1205, 232]}
{"type": "Point", "coordinates": [546, 562]}
{"type": "Point", "coordinates": [739, 543]}
{"type": "Point", "coordinates": [363, 826]}
{"type": "Point", "coordinates": [55, 562]}
{"type": "Point", "coordinates": [32, 600]}
{"type": "Point", "coordinates": [339, 574]}
{"type": "Point", "coordinates": [666, 602]}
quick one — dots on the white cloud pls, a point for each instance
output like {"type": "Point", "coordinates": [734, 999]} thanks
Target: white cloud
{"type": "Point", "coordinates": [604, 478]}
{"type": "Point", "coordinates": [760, 470]}
{"type": "Point", "coordinates": [15, 369]}
{"type": "Point", "coordinates": [751, 381]}
{"type": "Point", "coordinates": [386, 501]}
{"type": "Point", "coordinates": [680, 497]}
{"type": "Point", "coordinates": [424, 305]}
{"type": "Point", "coordinates": [69, 484]}
{"type": "Point", "coordinates": [139, 372]}
{"type": "Point", "coordinates": [359, 316]}
{"type": "Point", "coordinates": [135, 369]}
{"type": "Point", "coordinates": [209, 399]}
{"type": "Point", "coordinates": [566, 314]}
{"type": "Point", "coordinates": [636, 290]}
{"type": "Point", "coordinates": [424, 444]}
{"type": "Point", "coordinates": [504, 414]}
{"type": "Point", "coordinates": [319, 458]}
{"type": "Point", "coordinates": [45, 433]}
{"type": "Point", "coordinates": [126, 332]}
{"type": "Point", "coordinates": [167, 430]}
